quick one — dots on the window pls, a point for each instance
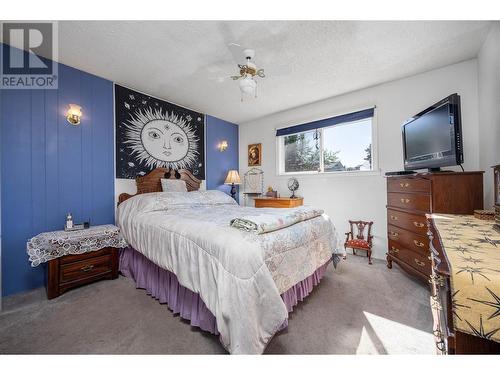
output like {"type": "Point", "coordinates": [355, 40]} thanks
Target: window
{"type": "Point", "coordinates": [338, 144]}
{"type": "Point", "coordinates": [302, 152]}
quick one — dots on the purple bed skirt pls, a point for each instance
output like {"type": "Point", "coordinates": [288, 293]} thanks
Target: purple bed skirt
{"type": "Point", "coordinates": [163, 285]}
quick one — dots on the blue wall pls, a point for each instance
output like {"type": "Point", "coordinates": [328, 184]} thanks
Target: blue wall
{"type": "Point", "coordinates": [219, 163]}
{"type": "Point", "coordinates": [49, 167]}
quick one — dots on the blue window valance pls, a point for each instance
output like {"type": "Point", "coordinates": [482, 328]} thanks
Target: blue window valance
{"type": "Point", "coordinates": [349, 117]}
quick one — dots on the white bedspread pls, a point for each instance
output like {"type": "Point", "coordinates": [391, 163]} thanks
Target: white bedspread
{"type": "Point", "coordinates": [238, 275]}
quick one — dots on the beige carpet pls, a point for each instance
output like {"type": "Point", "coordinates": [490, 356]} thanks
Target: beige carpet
{"type": "Point", "coordinates": [357, 308]}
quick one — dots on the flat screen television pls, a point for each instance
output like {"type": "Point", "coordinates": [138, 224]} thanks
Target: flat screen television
{"type": "Point", "coordinates": [433, 138]}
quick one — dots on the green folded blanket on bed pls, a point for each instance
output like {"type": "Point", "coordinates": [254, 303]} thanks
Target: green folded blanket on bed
{"type": "Point", "coordinates": [273, 219]}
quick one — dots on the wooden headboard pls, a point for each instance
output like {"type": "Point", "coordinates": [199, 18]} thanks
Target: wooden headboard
{"type": "Point", "coordinates": [151, 183]}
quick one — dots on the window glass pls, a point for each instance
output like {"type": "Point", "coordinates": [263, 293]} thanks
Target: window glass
{"type": "Point", "coordinates": [341, 147]}
{"type": "Point", "coordinates": [348, 147]}
{"type": "Point", "coordinates": [301, 152]}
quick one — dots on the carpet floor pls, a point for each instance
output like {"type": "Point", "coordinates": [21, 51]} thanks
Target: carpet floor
{"type": "Point", "coordinates": [357, 309]}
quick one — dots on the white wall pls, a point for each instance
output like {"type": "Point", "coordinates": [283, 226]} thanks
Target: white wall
{"type": "Point", "coordinates": [489, 109]}
{"type": "Point", "coordinates": [364, 196]}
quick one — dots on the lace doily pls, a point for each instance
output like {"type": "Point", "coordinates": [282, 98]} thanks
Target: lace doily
{"type": "Point", "coordinates": [52, 245]}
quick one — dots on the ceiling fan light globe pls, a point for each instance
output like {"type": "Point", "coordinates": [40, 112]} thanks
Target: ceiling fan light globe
{"type": "Point", "coordinates": [248, 86]}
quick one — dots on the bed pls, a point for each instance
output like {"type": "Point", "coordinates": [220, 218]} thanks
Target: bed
{"type": "Point", "coordinates": [236, 283]}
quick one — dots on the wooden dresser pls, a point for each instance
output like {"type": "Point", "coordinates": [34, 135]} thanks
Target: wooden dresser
{"type": "Point", "coordinates": [409, 198]}
{"type": "Point", "coordinates": [278, 202]}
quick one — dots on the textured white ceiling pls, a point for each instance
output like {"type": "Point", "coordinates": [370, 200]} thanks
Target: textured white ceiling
{"type": "Point", "coordinates": [305, 61]}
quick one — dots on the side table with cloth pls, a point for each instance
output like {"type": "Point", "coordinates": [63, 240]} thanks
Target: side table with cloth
{"type": "Point", "coordinates": [77, 257]}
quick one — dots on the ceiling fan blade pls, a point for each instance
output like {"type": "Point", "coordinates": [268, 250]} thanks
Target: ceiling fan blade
{"type": "Point", "coordinates": [236, 51]}
{"type": "Point", "coordinates": [222, 79]}
{"type": "Point", "coordinates": [219, 79]}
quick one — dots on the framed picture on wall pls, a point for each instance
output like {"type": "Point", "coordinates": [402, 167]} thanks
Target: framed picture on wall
{"type": "Point", "coordinates": [255, 154]}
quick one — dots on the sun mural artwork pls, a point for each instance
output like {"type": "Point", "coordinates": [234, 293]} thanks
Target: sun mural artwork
{"type": "Point", "coordinates": [152, 133]}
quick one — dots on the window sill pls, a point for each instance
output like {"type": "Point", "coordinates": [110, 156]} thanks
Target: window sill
{"type": "Point", "coordinates": [376, 172]}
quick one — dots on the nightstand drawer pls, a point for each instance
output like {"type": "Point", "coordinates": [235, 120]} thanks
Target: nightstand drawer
{"type": "Point", "coordinates": [278, 202]}
{"type": "Point", "coordinates": [72, 258]}
{"type": "Point", "coordinates": [85, 268]}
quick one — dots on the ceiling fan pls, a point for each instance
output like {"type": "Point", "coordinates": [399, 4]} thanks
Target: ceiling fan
{"type": "Point", "coordinates": [248, 71]}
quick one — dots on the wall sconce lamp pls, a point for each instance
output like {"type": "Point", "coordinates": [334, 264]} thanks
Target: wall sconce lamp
{"type": "Point", "coordinates": [74, 114]}
{"type": "Point", "coordinates": [222, 146]}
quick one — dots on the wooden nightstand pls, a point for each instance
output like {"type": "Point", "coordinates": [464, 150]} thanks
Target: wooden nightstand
{"type": "Point", "coordinates": [76, 258]}
{"type": "Point", "coordinates": [278, 202]}
{"type": "Point", "coordinates": [71, 271]}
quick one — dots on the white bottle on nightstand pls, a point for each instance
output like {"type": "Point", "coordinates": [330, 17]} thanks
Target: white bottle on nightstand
{"type": "Point", "coordinates": [69, 221]}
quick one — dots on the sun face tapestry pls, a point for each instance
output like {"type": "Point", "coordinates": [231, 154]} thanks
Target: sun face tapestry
{"type": "Point", "coordinates": [152, 133]}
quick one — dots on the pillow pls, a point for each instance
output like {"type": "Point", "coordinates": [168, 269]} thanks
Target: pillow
{"type": "Point", "coordinates": [148, 202]}
{"type": "Point", "coordinates": [173, 185]}
{"type": "Point", "coordinates": [213, 198]}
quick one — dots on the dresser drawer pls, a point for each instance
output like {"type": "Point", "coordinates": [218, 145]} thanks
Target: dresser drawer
{"type": "Point", "coordinates": [85, 268]}
{"type": "Point", "coordinates": [409, 239]}
{"type": "Point", "coordinates": [413, 222]}
{"type": "Point", "coordinates": [408, 185]}
{"type": "Point", "coordinates": [417, 260]}
{"type": "Point", "coordinates": [419, 202]}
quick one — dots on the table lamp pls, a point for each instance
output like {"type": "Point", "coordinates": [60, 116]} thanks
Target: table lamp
{"type": "Point", "coordinates": [233, 178]}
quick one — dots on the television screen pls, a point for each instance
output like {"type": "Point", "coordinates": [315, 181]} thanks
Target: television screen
{"type": "Point", "coordinates": [432, 138]}
{"type": "Point", "coordinates": [429, 136]}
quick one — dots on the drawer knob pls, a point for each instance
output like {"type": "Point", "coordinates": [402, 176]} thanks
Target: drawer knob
{"type": "Point", "coordinates": [418, 224]}
{"type": "Point", "coordinates": [418, 243]}
{"type": "Point", "coordinates": [394, 234]}
{"type": "Point", "coordinates": [394, 217]}
{"type": "Point", "coordinates": [394, 249]}
{"type": "Point", "coordinates": [404, 185]}
{"type": "Point", "coordinates": [87, 268]}
{"type": "Point", "coordinates": [419, 263]}
{"type": "Point", "coordinates": [405, 200]}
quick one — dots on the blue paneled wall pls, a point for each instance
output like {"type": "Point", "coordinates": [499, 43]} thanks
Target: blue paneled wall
{"type": "Point", "coordinates": [219, 163]}
{"type": "Point", "coordinates": [49, 167]}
